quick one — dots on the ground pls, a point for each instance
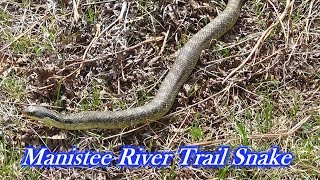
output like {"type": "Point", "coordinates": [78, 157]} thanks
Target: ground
{"type": "Point", "coordinates": [258, 85]}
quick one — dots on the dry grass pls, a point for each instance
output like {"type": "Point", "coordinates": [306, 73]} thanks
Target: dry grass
{"type": "Point", "coordinates": [259, 85]}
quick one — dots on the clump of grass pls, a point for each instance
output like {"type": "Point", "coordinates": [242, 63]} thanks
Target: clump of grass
{"type": "Point", "coordinates": [90, 15]}
{"type": "Point", "coordinates": [22, 45]}
{"type": "Point", "coordinates": [94, 102]}
{"type": "Point", "coordinates": [4, 16]}
{"type": "Point", "coordinates": [241, 128]}
{"type": "Point", "coordinates": [195, 129]}
{"type": "Point", "coordinates": [223, 172]}
{"type": "Point", "coordinates": [85, 105]}
{"type": "Point", "coordinates": [172, 173]}
{"type": "Point", "coordinates": [264, 119]}
{"type": "Point", "coordinates": [10, 162]}
{"type": "Point", "coordinates": [14, 87]}
{"type": "Point", "coordinates": [30, 44]}
{"type": "Point", "coordinates": [51, 31]}
{"type": "Point", "coordinates": [184, 40]}
{"type": "Point", "coordinates": [144, 98]}
{"type": "Point", "coordinates": [118, 103]}
{"type": "Point", "coordinates": [226, 52]}
{"type": "Point", "coordinates": [294, 108]}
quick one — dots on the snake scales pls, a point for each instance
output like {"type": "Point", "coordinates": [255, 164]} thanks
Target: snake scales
{"type": "Point", "coordinates": [169, 88]}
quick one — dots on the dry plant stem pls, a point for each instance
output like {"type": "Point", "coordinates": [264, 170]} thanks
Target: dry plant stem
{"type": "Point", "coordinates": [164, 42]}
{"type": "Point", "coordinates": [262, 38]}
{"type": "Point", "coordinates": [96, 3]}
{"type": "Point", "coordinates": [307, 28]}
{"type": "Point", "coordinates": [75, 6]}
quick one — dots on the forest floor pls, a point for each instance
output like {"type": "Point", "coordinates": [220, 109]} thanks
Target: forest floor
{"type": "Point", "coordinates": [258, 85]}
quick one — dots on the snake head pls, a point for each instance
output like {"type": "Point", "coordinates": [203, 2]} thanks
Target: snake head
{"type": "Point", "coordinates": [46, 116]}
{"type": "Point", "coordinates": [39, 113]}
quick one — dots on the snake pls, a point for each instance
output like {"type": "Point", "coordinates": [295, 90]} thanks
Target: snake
{"type": "Point", "coordinates": [163, 100]}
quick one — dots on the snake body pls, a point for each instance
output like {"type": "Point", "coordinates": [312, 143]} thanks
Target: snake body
{"type": "Point", "coordinates": [169, 88]}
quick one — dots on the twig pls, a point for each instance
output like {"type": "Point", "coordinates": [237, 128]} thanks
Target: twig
{"type": "Point", "coordinates": [307, 28]}
{"type": "Point", "coordinates": [96, 36]}
{"type": "Point", "coordinates": [95, 3]}
{"type": "Point", "coordinates": [75, 6]}
{"type": "Point", "coordinates": [164, 42]}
